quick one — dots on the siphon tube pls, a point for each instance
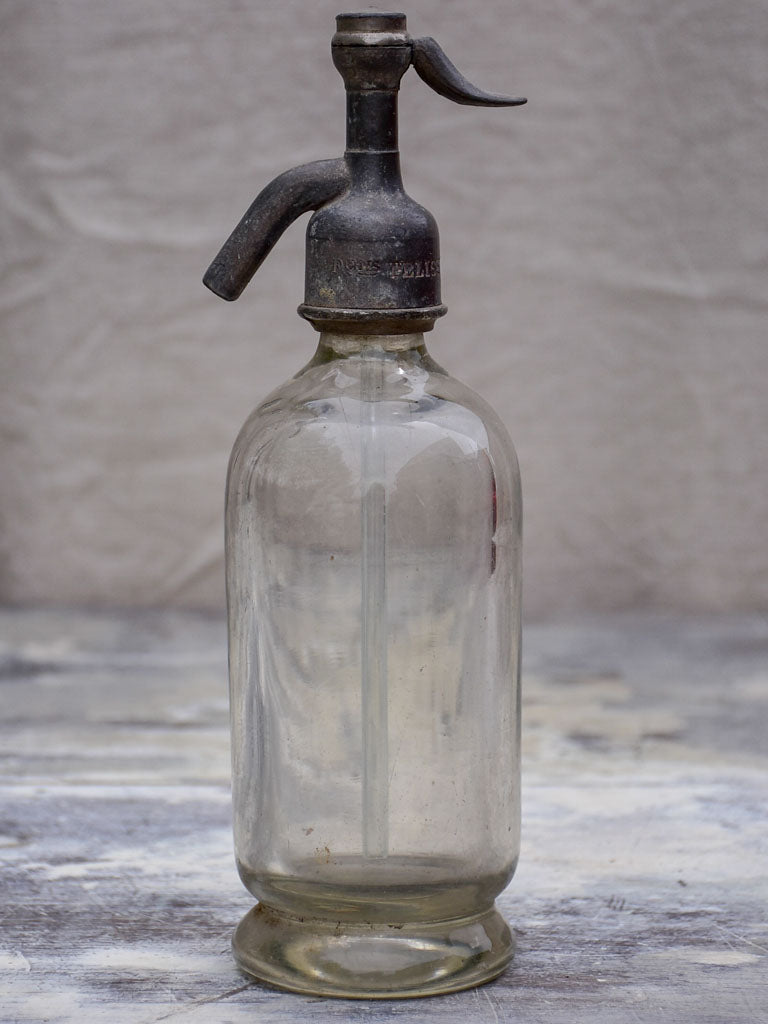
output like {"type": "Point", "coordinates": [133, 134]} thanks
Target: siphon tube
{"type": "Point", "coordinates": [373, 582]}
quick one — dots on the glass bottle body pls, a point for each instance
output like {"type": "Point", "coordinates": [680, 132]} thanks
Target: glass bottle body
{"type": "Point", "coordinates": [373, 579]}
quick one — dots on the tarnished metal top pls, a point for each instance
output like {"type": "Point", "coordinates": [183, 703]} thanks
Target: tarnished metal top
{"type": "Point", "coordinates": [370, 29]}
{"type": "Point", "coordinates": [373, 253]}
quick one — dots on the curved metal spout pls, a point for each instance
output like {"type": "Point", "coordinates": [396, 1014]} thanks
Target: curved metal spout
{"type": "Point", "coordinates": [440, 74]}
{"type": "Point", "coordinates": [284, 199]}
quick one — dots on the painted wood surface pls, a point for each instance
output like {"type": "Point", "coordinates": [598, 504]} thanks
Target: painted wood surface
{"type": "Point", "coordinates": [641, 893]}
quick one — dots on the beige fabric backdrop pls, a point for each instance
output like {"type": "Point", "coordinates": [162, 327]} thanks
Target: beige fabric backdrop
{"type": "Point", "coordinates": [605, 256]}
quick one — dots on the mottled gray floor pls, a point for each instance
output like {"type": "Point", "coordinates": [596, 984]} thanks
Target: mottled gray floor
{"type": "Point", "coordinates": [641, 893]}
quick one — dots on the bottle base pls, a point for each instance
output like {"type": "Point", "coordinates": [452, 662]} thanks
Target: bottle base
{"type": "Point", "coordinates": [317, 956]}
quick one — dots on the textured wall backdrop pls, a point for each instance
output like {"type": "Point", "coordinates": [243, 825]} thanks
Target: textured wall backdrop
{"type": "Point", "coordinates": [605, 257]}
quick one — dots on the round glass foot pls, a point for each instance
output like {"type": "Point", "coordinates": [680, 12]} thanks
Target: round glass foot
{"type": "Point", "coordinates": [371, 961]}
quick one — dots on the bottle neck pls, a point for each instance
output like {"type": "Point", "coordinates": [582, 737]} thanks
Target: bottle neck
{"type": "Point", "coordinates": [338, 345]}
{"type": "Point", "coordinates": [372, 154]}
{"type": "Point", "coordinates": [372, 121]}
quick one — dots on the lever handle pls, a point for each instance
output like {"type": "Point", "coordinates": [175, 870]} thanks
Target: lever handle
{"type": "Point", "coordinates": [434, 68]}
{"type": "Point", "coordinates": [279, 204]}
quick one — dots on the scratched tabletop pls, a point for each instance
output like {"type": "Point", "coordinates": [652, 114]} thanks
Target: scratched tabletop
{"type": "Point", "coordinates": [641, 892]}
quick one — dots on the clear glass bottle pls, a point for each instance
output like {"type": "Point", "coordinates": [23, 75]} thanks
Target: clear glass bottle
{"type": "Point", "coordinates": [373, 533]}
{"type": "Point", "coordinates": [373, 579]}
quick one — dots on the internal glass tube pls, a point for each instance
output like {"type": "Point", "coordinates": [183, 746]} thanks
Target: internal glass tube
{"type": "Point", "coordinates": [373, 582]}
